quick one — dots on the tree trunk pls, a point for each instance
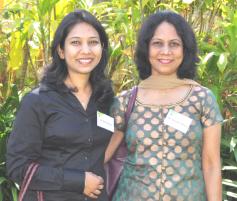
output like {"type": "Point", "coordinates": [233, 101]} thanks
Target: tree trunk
{"type": "Point", "coordinates": [24, 66]}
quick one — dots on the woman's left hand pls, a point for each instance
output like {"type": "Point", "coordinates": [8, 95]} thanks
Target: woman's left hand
{"type": "Point", "coordinates": [93, 185]}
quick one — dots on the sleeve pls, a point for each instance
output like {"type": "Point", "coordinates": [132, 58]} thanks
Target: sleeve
{"type": "Point", "coordinates": [117, 111]}
{"type": "Point", "coordinates": [210, 113]}
{"type": "Point", "coordinates": [24, 146]}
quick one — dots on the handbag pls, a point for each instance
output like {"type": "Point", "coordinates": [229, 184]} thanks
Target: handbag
{"type": "Point", "coordinates": [114, 167]}
{"type": "Point", "coordinates": [26, 181]}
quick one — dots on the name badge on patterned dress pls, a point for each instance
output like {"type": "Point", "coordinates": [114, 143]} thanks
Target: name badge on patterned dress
{"type": "Point", "coordinates": [105, 121]}
{"type": "Point", "coordinates": [178, 121]}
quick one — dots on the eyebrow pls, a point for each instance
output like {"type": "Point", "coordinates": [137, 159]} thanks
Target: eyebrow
{"type": "Point", "coordinates": [175, 39]}
{"type": "Point", "coordinates": [77, 37]}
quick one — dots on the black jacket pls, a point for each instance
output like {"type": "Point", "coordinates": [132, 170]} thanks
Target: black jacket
{"type": "Point", "coordinates": [53, 129]}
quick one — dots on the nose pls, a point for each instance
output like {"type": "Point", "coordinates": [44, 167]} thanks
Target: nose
{"type": "Point", "coordinates": [85, 48]}
{"type": "Point", "coordinates": [165, 49]}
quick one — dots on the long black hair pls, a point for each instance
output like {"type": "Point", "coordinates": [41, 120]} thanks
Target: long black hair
{"type": "Point", "coordinates": [187, 68]}
{"type": "Point", "coordinates": [56, 73]}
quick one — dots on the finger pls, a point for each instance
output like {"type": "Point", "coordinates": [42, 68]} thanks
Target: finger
{"type": "Point", "coordinates": [101, 186]}
{"type": "Point", "coordinates": [101, 179]}
{"type": "Point", "coordinates": [97, 192]}
{"type": "Point", "coordinates": [92, 195]}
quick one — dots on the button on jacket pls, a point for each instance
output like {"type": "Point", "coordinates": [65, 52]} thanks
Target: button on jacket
{"type": "Point", "coordinates": [53, 129]}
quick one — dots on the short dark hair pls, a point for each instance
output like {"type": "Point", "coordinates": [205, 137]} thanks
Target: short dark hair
{"type": "Point", "coordinates": [187, 68]}
{"type": "Point", "coordinates": [56, 72]}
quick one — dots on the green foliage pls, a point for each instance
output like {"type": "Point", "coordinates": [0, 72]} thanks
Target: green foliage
{"type": "Point", "coordinates": [26, 32]}
{"type": "Point", "coordinates": [8, 190]}
{"type": "Point", "coordinates": [219, 65]}
{"type": "Point", "coordinates": [122, 20]}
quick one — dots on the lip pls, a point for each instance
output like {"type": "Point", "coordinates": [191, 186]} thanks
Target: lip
{"type": "Point", "coordinates": [85, 60]}
{"type": "Point", "coordinates": [165, 61]}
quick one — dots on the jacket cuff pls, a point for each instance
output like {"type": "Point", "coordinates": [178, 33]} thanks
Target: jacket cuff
{"type": "Point", "coordinates": [74, 180]}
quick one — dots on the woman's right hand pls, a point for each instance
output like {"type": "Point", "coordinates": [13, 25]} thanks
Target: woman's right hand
{"type": "Point", "coordinates": [93, 185]}
{"type": "Point", "coordinates": [114, 143]}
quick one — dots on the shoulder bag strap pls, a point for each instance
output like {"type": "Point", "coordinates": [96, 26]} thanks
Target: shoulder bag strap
{"type": "Point", "coordinates": [131, 102]}
{"type": "Point", "coordinates": [26, 181]}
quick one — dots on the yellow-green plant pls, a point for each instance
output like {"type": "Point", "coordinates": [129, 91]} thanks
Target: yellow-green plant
{"type": "Point", "coordinates": [218, 71]}
{"type": "Point", "coordinates": [27, 29]}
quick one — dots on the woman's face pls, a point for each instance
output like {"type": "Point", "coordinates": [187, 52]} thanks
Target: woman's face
{"type": "Point", "coordinates": [165, 50]}
{"type": "Point", "coordinates": [82, 49]}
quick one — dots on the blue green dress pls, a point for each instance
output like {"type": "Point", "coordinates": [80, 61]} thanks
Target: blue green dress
{"type": "Point", "coordinates": [164, 164]}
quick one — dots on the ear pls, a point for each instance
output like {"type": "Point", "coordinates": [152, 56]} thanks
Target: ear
{"type": "Point", "coordinates": [60, 52]}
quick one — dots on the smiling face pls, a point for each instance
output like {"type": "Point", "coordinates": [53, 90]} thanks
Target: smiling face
{"type": "Point", "coordinates": [165, 50]}
{"type": "Point", "coordinates": [82, 49]}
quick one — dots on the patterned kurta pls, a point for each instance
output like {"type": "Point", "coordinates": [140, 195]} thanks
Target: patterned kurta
{"type": "Point", "coordinates": [164, 164]}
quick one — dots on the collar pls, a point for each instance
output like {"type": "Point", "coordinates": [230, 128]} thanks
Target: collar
{"type": "Point", "coordinates": [44, 87]}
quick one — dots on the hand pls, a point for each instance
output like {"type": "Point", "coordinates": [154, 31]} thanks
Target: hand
{"type": "Point", "coordinates": [93, 185]}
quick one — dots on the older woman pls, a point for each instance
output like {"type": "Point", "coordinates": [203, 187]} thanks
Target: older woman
{"type": "Point", "coordinates": [173, 134]}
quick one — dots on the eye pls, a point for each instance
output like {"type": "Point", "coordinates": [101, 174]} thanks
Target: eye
{"type": "Point", "coordinates": [157, 43]}
{"type": "Point", "coordinates": [94, 42]}
{"type": "Point", "coordinates": [174, 44]}
{"type": "Point", "coordinates": [75, 42]}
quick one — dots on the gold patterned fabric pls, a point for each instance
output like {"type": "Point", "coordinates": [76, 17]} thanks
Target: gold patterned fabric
{"type": "Point", "coordinates": [164, 164]}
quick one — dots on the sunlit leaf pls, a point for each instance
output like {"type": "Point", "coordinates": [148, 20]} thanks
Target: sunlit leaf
{"type": "Point", "coordinates": [16, 53]}
{"type": "Point", "coordinates": [144, 2]}
{"type": "Point", "coordinates": [235, 153]}
{"type": "Point", "coordinates": [187, 1]}
{"type": "Point", "coordinates": [233, 143]}
{"type": "Point", "coordinates": [46, 6]}
{"type": "Point", "coordinates": [208, 57]}
{"type": "Point", "coordinates": [229, 168]}
{"type": "Point", "coordinates": [222, 62]}
{"type": "Point", "coordinates": [14, 193]}
{"type": "Point", "coordinates": [231, 194]}
{"type": "Point", "coordinates": [229, 182]}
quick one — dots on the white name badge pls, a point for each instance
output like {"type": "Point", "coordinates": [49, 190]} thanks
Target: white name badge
{"type": "Point", "coordinates": [105, 121]}
{"type": "Point", "coordinates": [178, 121]}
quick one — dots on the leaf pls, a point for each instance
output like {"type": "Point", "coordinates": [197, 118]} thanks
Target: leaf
{"type": "Point", "coordinates": [208, 2]}
{"type": "Point", "coordinates": [11, 103]}
{"type": "Point", "coordinates": [217, 91]}
{"type": "Point", "coordinates": [1, 194]}
{"type": "Point", "coordinates": [14, 193]}
{"type": "Point", "coordinates": [187, 1]}
{"type": "Point", "coordinates": [229, 182]}
{"type": "Point", "coordinates": [208, 57]}
{"type": "Point", "coordinates": [2, 179]}
{"type": "Point", "coordinates": [144, 2]}
{"type": "Point", "coordinates": [231, 194]}
{"type": "Point", "coordinates": [235, 153]}
{"type": "Point", "coordinates": [222, 62]}
{"type": "Point", "coordinates": [46, 6]}
{"type": "Point", "coordinates": [229, 168]}
{"type": "Point", "coordinates": [116, 51]}
{"type": "Point", "coordinates": [16, 53]}
{"type": "Point", "coordinates": [233, 143]}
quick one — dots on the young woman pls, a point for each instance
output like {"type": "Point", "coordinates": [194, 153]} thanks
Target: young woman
{"type": "Point", "coordinates": [56, 125]}
{"type": "Point", "coordinates": [173, 133]}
